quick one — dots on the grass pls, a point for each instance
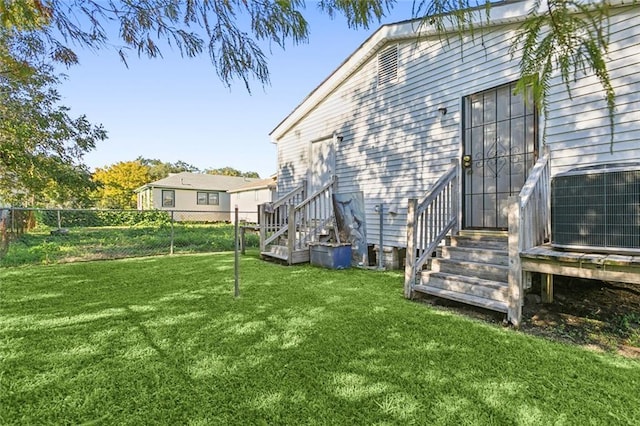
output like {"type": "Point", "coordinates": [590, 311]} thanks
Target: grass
{"type": "Point", "coordinates": [162, 341]}
{"type": "Point", "coordinates": [113, 242]}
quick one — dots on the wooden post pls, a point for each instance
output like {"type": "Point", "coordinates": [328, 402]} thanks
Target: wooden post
{"type": "Point", "coordinates": [514, 308]}
{"type": "Point", "coordinates": [410, 262]}
{"type": "Point", "coordinates": [172, 234]}
{"type": "Point", "coordinates": [547, 288]}
{"type": "Point", "coordinates": [291, 232]}
{"type": "Point", "coordinates": [242, 240]}
{"type": "Point", "coordinates": [455, 198]}
{"type": "Point", "coordinates": [263, 227]}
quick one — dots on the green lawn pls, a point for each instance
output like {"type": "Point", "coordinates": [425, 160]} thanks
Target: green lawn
{"type": "Point", "coordinates": [162, 341]}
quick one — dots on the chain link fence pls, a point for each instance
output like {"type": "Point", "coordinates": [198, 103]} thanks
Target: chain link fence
{"type": "Point", "coordinates": [37, 236]}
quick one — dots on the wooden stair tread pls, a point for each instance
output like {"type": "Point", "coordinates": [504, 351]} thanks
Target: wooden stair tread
{"type": "Point", "coordinates": [483, 233]}
{"type": "Point", "coordinates": [471, 286]}
{"type": "Point", "coordinates": [472, 263]}
{"type": "Point", "coordinates": [467, 279]}
{"type": "Point", "coordinates": [277, 252]}
{"type": "Point", "coordinates": [494, 305]}
{"type": "Point", "coordinates": [473, 269]}
{"type": "Point", "coordinates": [274, 255]}
{"type": "Point", "coordinates": [483, 270]}
{"type": "Point", "coordinates": [485, 255]}
{"type": "Point", "coordinates": [498, 251]}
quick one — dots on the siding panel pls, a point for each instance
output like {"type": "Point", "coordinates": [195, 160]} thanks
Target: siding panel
{"type": "Point", "coordinates": [395, 143]}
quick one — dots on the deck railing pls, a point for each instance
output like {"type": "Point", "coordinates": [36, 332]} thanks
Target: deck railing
{"type": "Point", "coordinates": [274, 217]}
{"type": "Point", "coordinates": [311, 217]}
{"type": "Point", "coordinates": [429, 221]}
{"type": "Point", "coordinates": [529, 226]}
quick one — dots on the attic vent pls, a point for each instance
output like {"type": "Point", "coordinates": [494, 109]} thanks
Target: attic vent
{"type": "Point", "coordinates": [388, 65]}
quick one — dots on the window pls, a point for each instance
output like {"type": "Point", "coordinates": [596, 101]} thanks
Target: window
{"type": "Point", "coordinates": [208, 198]}
{"type": "Point", "coordinates": [388, 65]}
{"type": "Point", "coordinates": [168, 198]}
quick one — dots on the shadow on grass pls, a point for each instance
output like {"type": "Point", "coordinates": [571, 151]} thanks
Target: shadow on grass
{"type": "Point", "coordinates": [163, 340]}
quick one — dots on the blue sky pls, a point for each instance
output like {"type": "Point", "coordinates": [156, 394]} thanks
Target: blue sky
{"type": "Point", "coordinates": [175, 108]}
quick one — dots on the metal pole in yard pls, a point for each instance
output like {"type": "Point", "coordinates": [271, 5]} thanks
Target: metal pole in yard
{"type": "Point", "coordinates": [236, 288]}
{"type": "Point", "coordinates": [380, 246]}
{"type": "Point", "coordinates": [171, 246]}
{"type": "Point", "coordinates": [59, 220]}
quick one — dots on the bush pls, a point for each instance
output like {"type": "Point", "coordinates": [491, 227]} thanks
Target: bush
{"type": "Point", "coordinates": [98, 218]}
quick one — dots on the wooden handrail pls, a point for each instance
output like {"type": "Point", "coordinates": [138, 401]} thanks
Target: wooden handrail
{"type": "Point", "coordinates": [301, 221]}
{"type": "Point", "coordinates": [283, 200]}
{"type": "Point", "coordinates": [429, 221]}
{"type": "Point", "coordinates": [534, 205]}
{"type": "Point", "coordinates": [535, 176]}
{"type": "Point", "coordinates": [274, 216]}
{"type": "Point", "coordinates": [529, 225]}
{"type": "Point", "coordinates": [322, 212]}
{"type": "Point", "coordinates": [275, 235]}
{"type": "Point", "coordinates": [437, 188]}
{"type": "Point", "coordinates": [316, 194]}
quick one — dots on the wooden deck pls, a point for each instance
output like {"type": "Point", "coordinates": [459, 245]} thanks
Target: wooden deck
{"type": "Point", "coordinates": [604, 267]}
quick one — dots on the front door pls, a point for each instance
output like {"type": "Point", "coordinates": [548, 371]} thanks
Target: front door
{"type": "Point", "coordinates": [500, 148]}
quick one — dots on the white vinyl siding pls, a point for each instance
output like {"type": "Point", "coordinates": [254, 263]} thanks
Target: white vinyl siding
{"type": "Point", "coordinates": [395, 142]}
{"type": "Point", "coordinates": [248, 202]}
{"type": "Point", "coordinates": [578, 132]}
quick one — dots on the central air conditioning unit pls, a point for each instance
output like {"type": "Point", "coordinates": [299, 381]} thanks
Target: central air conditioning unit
{"type": "Point", "coordinates": [597, 209]}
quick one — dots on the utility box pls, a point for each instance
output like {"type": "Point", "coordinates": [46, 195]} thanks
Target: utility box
{"type": "Point", "coordinates": [330, 255]}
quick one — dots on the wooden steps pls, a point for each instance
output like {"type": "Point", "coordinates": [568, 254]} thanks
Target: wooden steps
{"type": "Point", "coordinates": [277, 252]}
{"type": "Point", "coordinates": [472, 268]}
{"type": "Point", "coordinates": [469, 299]}
{"type": "Point", "coordinates": [496, 257]}
{"type": "Point", "coordinates": [281, 254]}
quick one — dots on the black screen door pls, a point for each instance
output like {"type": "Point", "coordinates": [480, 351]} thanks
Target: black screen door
{"type": "Point", "coordinates": [500, 148]}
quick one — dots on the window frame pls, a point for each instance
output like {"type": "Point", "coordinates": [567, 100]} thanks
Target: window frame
{"type": "Point", "coordinates": [173, 197]}
{"type": "Point", "coordinates": [208, 195]}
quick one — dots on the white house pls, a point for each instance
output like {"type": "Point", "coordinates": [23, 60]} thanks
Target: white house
{"type": "Point", "coordinates": [249, 196]}
{"type": "Point", "coordinates": [412, 113]}
{"type": "Point", "coordinates": [193, 196]}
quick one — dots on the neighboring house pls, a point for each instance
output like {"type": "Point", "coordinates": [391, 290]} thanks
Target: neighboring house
{"type": "Point", "coordinates": [413, 111]}
{"type": "Point", "coordinates": [249, 196]}
{"type": "Point", "coordinates": [194, 196]}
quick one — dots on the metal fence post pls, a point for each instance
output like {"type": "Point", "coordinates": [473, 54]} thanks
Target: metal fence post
{"type": "Point", "coordinates": [380, 246]}
{"type": "Point", "coordinates": [171, 246]}
{"type": "Point", "coordinates": [236, 287]}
